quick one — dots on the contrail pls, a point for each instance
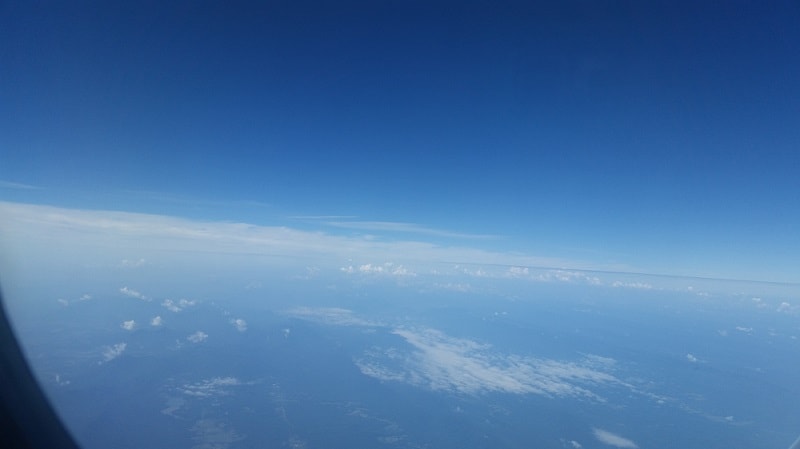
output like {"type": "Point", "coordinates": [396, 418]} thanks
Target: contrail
{"type": "Point", "coordinates": [796, 444]}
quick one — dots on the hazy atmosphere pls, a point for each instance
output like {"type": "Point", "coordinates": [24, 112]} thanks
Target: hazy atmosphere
{"type": "Point", "coordinates": [405, 224]}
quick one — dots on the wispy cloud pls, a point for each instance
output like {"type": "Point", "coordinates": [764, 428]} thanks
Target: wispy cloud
{"type": "Point", "coordinates": [330, 315]}
{"type": "Point", "coordinates": [128, 325]}
{"type": "Point", "coordinates": [434, 360]}
{"type": "Point", "coordinates": [112, 352]}
{"type": "Point", "coordinates": [177, 306]}
{"type": "Point", "coordinates": [164, 233]}
{"type": "Point", "coordinates": [133, 293]}
{"type": "Point", "coordinates": [239, 324]}
{"type": "Point", "coordinates": [441, 362]}
{"type": "Point", "coordinates": [612, 439]}
{"type": "Point", "coordinates": [402, 227]}
{"type": "Point", "coordinates": [156, 321]}
{"type": "Point", "coordinates": [197, 337]}
{"type": "Point", "coordinates": [786, 307]}
{"type": "Point", "coordinates": [17, 185]}
{"type": "Point", "coordinates": [388, 268]}
{"type": "Point", "coordinates": [217, 386]}
{"type": "Point", "coordinates": [126, 263]}
{"type": "Point", "coordinates": [83, 297]}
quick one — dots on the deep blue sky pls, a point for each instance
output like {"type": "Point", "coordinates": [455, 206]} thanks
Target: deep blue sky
{"type": "Point", "coordinates": [660, 135]}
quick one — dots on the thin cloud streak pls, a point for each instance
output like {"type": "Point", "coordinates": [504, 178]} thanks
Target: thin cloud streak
{"type": "Point", "coordinates": [409, 228]}
{"type": "Point", "coordinates": [611, 439]}
{"type": "Point", "coordinates": [17, 185]}
{"type": "Point", "coordinates": [177, 234]}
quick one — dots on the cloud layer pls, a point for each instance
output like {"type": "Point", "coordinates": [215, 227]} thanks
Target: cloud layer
{"type": "Point", "coordinates": [431, 359]}
{"type": "Point", "coordinates": [440, 362]}
{"type": "Point", "coordinates": [217, 386]}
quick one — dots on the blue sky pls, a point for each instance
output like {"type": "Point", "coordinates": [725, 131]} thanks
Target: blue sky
{"type": "Point", "coordinates": [655, 137]}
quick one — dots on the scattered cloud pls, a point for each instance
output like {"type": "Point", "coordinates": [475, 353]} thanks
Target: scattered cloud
{"type": "Point", "coordinates": [388, 268]}
{"type": "Point", "coordinates": [746, 330]}
{"type": "Point", "coordinates": [197, 337]}
{"type": "Point", "coordinates": [639, 285]}
{"type": "Point", "coordinates": [535, 274]}
{"type": "Point", "coordinates": [217, 386]}
{"type": "Point", "coordinates": [239, 324]}
{"type": "Point", "coordinates": [125, 263]}
{"type": "Point", "coordinates": [84, 297]}
{"type": "Point", "coordinates": [691, 358]}
{"type": "Point", "coordinates": [156, 321]}
{"type": "Point", "coordinates": [785, 307]}
{"type": "Point", "coordinates": [454, 286]}
{"type": "Point", "coordinates": [61, 382]}
{"type": "Point", "coordinates": [330, 315]}
{"type": "Point", "coordinates": [177, 306]}
{"type": "Point", "coordinates": [112, 352]}
{"type": "Point", "coordinates": [440, 362]}
{"type": "Point", "coordinates": [128, 325]}
{"type": "Point", "coordinates": [133, 293]}
{"type": "Point", "coordinates": [612, 439]}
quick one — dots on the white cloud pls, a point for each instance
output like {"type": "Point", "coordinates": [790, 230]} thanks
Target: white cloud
{"type": "Point", "coordinates": [197, 337]}
{"type": "Point", "coordinates": [746, 330]}
{"type": "Point", "coordinates": [330, 315]}
{"type": "Point", "coordinates": [177, 306]}
{"type": "Point", "coordinates": [784, 307]}
{"type": "Point", "coordinates": [388, 268]}
{"type": "Point", "coordinates": [84, 297]}
{"type": "Point", "coordinates": [638, 285]}
{"type": "Point", "coordinates": [171, 306]}
{"type": "Point", "coordinates": [537, 274]}
{"type": "Point", "coordinates": [112, 352]}
{"type": "Point", "coordinates": [440, 362]}
{"type": "Point", "coordinates": [611, 439]}
{"type": "Point", "coordinates": [156, 321]}
{"type": "Point", "coordinates": [239, 324]}
{"type": "Point", "coordinates": [128, 325]}
{"type": "Point", "coordinates": [133, 293]}
{"type": "Point", "coordinates": [125, 263]}
{"type": "Point", "coordinates": [454, 286]}
{"type": "Point", "coordinates": [164, 233]}
{"type": "Point", "coordinates": [217, 386]}
{"type": "Point", "coordinates": [691, 358]}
